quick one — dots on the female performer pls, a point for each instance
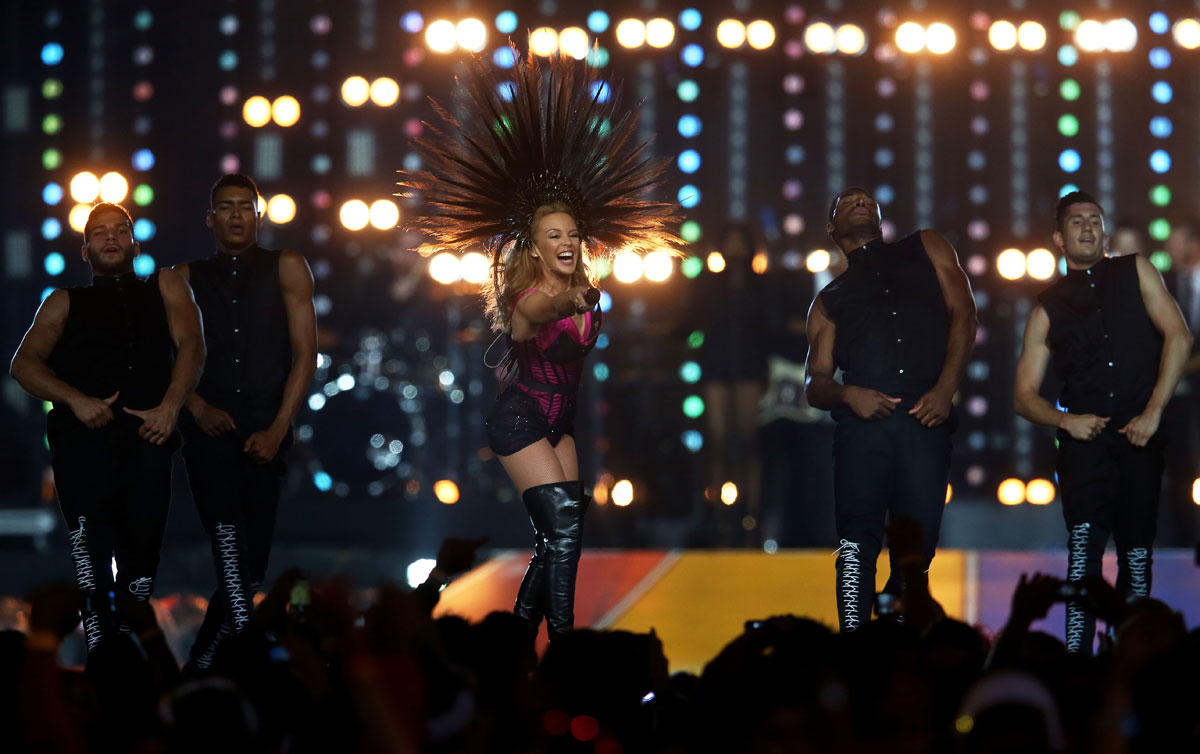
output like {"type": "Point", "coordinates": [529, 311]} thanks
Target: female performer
{"type": "Point", "coordinates": [537, 168]}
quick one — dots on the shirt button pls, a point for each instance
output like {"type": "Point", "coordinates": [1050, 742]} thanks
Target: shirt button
{"type": "Point", "coordinates": [235, 301]}
{"type": "Point", "coordinates": [237, 329]}
{"type": "Point", "coordinates": [901, 371]}
{"type": "Point", "coordinates": [235, 272]}
{"type": "Point", "coordinates": [1110, 363]}
{"type": "Point", "coordinates": [885, 290]}
{"type": "Point", "coordinates": [899, 340]}
{"type": "Point", "coordinates": [237, 361]}
{"type": "Point", "coordinates": [1110, 395]}
{"type": "Point", "coordinates": [893, 314]}
{"type": "Point", "coordinates": [1092, 284]}
{"type": "Point", "coordinates": [237, 390]}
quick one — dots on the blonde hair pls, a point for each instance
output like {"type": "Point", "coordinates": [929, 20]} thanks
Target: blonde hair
{"type": "Point", "coordinates": [516, 271]}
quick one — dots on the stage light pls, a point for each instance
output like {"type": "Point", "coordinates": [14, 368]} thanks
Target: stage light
{"type": "Point", "coordinates": [692, 440]}
{"type": "Point", "coordinates": [1162, 92]}
{"type": "Point", "coordinates": [729, 493]}
{"type": "Point", "coordinates": [693, 407]}
{"type": "Point", "coordinates": [1160, 58]}
{"type": "Point", "coordinates": [940, 38]}
{"type": "Point", "coordinates": [851, 39]}
{"type": "Point", "coordinates": [543, 41]}
{"type": "Point", "coordinates": [441, 36]}
{"type": "Point", "coordinates": [257, 111]}
{"type": "Point", "coordinates": [1069, 90]}
{"type": "Point", "coordinates": [690, 372]}
{"type": "Point", "coordinates": [475, 267]}
{"type": "Point", "coordinates": [759, 263]}
{"type": "Point", "coordinates": [687, 91]}
{"type": "Point", "coordinates": [355, 91]}
{"type": "Point", "coordinates": [85, 187]}
{"type": "Point", "coordinates": [691, 267]}
{"type": "Point", "coordinates": [1011, 492]}
{"type": "Point", "coordinates": [418, 571]}
{"type": "Point", "coordinates": [445, 491]}
{"type": "Point", "coordinates": [1039, 492]}
{"type": "Point", "coordinates": [627, 267]}
{"type": "Point", "coordinates": [690, 231]}
{"type": "Point", "coordinates": [731, 33]}
{"type": "Point", "coordinates": [910, 37]}
{"type": "Point", "coordinates": [660, 33]}
{"type": "Point", "coordinates": [820, 38]}
{"type": "Point", "coordinates": [688, 196]}
{"type": "Point", "coordinates": [1069, 160]}
{"type": "Point", "coordinates": [354, 214]}
{"type": "Point", "coordinates": [657, 266]}
{"type": "Point", "coordinates": [52, 123]}
{"type": "Point", "coordinates": [1187, 33]}
{"type": "Point", "coordinates": [1003, 35]}
{"type": "Point", "coordinates": [689, 126]}
{"type": "Point", "coordinates": [573, 41]}
{"type": "Point", "coordinates": [1160, 229]}
{"type": "Point", "coordinates": [1161, 126]}
{"type": "Point", "coordinates": [285, 111]}
{"type": "Point", "coordinates": [949, 494]}
{"type": "Point", "coordinates": [1160, 195]}
{"type": "Point", "coordinates": [1196, 491]}
{"type": "Point", "coordinates": [1120, 35]}
{"type": "Point", "coordinates": [1041, 264]}
{"type": "Point", "coordinates": [631, 33]}
{"type": "Point", "coordinates": [142, 160]}
{"type": "Point", "coordinates": [1011, 264]}
{"type": "Point", "coordinates": [1068, 55]}
{"type": "Point", "coordinates": [600, 492]}
{"type": "Point", "coordinates": [689, 161]}
{"type": "Point", "coordinates": [692, 55]}
{"type": "Point", "coordinates": [817, 261]}
{"type": "Point", "coordinates": [471, 34]}
{"type": "Point", "coordinates": [384, 91]}
{"type": "Point", "coordinates": [113, 188]}
{"type": "Point", "coordinates": [622, 493]}
{"type": "Point", "coordinates": [598, 21]}
{"type": "Point", "coordinates": [52, 193]}
{"type": "Point", "coordinates": [506, 22]}
{"type": "Point", "coordinates": [281, 209]}
{"type": "Point", "coordinates": [52, 88]}
{"type": "Point", "coordinates": [445, 268]}
{"type": "Point", "coordinates": [77, 217]}
{"type": "Point", "coordinates": [1031, 36]}
{"type": "Point", "coordinates": [143, 230]}
{"type": "Point", "coordinates": [1160, 161]}
{"type": "Point", "coordinates": [54, 264]}
{"type": "Point", "coordinates": [760, 34]}
{"type": "Point", "coordinates": [690, 19]}
{"type": "Point", "coordinates": [716, 262]}
{"type": "Point", "coordinates": [51, 159]}
{"type": "Point", "coordinates": [383, 214]}
{"type": "Point", "coordinates": [1090, 35]}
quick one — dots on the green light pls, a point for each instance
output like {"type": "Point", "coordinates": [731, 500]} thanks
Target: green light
{"type": "Point", "coordinates": [693, 406]}
{"type": "Point", "coordinates": [1160, 229]}
{"type": "Point", "coordinates": [143, 195]}
{"type": "Point", "coordinates": [51, 159]}
{"type": "Point", "coordinates": [1161, 260]}
{"type": "Point", "coordinates": [143, 20]}
{"type": "Point", "coordinates": [1160, 195]}
{"type": "Point", "coordinates": [1069, 90]}
{"type": "Point", "coordinates": [696, 339]}
{"type": "Point", "coordinates": [691, 267]}
{"type": "Point", "coordinates": [603, 128]}
{"type": "Point", "coordinates": [600, 371]}
{"type": "Point", "coordinates": [1068, 125]}
{"type": "Point", "coordinates": [689, 372]}
{"type": "Point", "coordinates": [52, 88]}
{"type": "Point", "coordinates": [52, 123]}
{"type": "Point", "coordinates": [602, 267]}
{"type": "Point", "coordinates": [1069, 20]}
{"type": "Point", "coordinates": [598, 57]}
{"type": "Point", "coordinates": [690, 231]}
{"type": "Point", "coordinates": [503, 125]}
{"type": "Point", "coordinates": [688, 90]}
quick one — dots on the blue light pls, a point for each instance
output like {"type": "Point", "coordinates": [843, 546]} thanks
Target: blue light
{"type": "Point", "coordinates": [1159, 23]}
{"type": "Point", "coordinates": [689, 126]}
{"type": "Point", "coordinates": [412, 22]}
{"type": "Point", "coordinates": [143, 159]}
{"type": "Point", "coordinates": [1067, 189]}
{"type": "Point", "coordinates": [692, 440]}
{"type": "Point", "coordinates": [1161, 126]}
{"type": "Point", "coordinates": [688, 196]}
{"type": "Point", "coordinates": [795, 154]}
{"type": "Point", "coordinates": [1069, 160]}
{"type": "Point", "coordinates": [689, 161]}
{"type": "Point", "coordinates": [506, 91]}
{"type": "Point", "coordinates": [227, 60]}
{"type": "Point", "coordinates": [506, 22]}
{"type": "Point", "coordinates": [143, 265]}
{"type": "Point", "coordinates": [884, 157]}
{"type": "Point", "coordinates": [504, 57]}
{"type": "Point", "coordinates": [52, 53]}
{"type": "Point", "coordinates": [1160, 161]}
{"type": "Point", "coordinates": [1160, 57]}
{"type": "Point", "coordinates": [1162, 92]}
{"type": "Point", "coordinates": [598, 21]}
{"type": "Point", "coordinates": [55, 264]}
{"type": "Point", "coordinates": [143, 229]}
{"type": "Point", "coordinates": [690, 19]}
{"type": "Point", "coordinates": [46, 292]}
{"type": "Point", "coordinates": [322, 481]}
{"type": "Point", "coordinates": [51, 229]}
{"type": "Point", "coordinates": [602, 341]}
{"type": "Point", "coordinates": [601, 91]}
{"type": "Point", "coordinates": [1068, 55]}
{"type": "Point", "coordinates": [600, 371]}
{"type": "Point", "coordinates": [885, 194]}
{"type": "Point", "coordinates": [605, 302]}
{"type": "Point", "coordinates": [692, 55]}
{"type": "Point", "coordinates": [52, 194]}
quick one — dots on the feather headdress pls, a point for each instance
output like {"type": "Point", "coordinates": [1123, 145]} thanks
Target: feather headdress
{"type": "Point", "coordinates": [525, 137]}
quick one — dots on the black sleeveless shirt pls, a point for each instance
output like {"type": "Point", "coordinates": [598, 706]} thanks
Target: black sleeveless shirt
{"type": "Point", "coordinates": [246, 332]}
{"type": "Point", "coordinates": [1104, 345]}
{"type": "Point", "coordinates": [890, 320]}
{"type": "Point", "coordinates": [116, 338]}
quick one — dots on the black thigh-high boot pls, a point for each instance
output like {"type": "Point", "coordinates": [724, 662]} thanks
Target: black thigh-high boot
{"type": "Point", "coordinates": [531, 595]}
{"type": "Point", "coordinates": [558, 509]}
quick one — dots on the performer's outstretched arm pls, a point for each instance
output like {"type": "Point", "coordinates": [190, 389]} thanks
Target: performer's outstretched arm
{"type": "Point", "coordinates": [1031, 370]}
{"type": "Point", "coordinates": [934, 407]}
{"type": "Point", "coordinates": [1177, 344]}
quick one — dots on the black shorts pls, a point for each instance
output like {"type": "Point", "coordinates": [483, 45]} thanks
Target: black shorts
{"type": "Point", "coordinates": [517, 421]}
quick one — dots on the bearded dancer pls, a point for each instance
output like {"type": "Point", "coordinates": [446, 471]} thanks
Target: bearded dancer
{"type": "Point", "coordinates": [537, 178]}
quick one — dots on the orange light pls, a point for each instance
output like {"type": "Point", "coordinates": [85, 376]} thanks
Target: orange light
{"type": "Point", "coordinates": [1011, 492]}
{"type": "Point", "coordinates": [1039, 492]}
{"type": "Point", "coordinates": [356, 91]}
{"type": "Point", "coordinates": [257, 111]}
{"type": "Point", "coordinates": [622, 493]}
{"type": "Point", "coordinates": [445, 491]}
{"type": "Point", "coordinates": [949, 493]}
{"type": "Point", "coordinates": [285, 111]}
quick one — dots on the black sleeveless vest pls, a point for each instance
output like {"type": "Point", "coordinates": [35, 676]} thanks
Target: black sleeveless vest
{"type": "Point", "coordinates": [1104, 345]}
{"type": "Point", "coordinates": [246, 332]}
{"type": "Point", "coordinates": [890, 320]}
{"type": "Point", "coordinates": [116, 338]}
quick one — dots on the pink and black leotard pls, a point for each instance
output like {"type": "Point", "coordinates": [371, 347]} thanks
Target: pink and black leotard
{"type": "Point", "coordinates": [539, 401]}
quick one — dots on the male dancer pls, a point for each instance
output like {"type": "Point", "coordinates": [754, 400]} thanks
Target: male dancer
{"type": "Point", "coordinates": [260, 328]}
{"type": "Point", "coordinates": [1119, 342]}
{"type": "Point", "coordinates": [899, 323]}
{"type": "Point", "coordinates": [103, 355]}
